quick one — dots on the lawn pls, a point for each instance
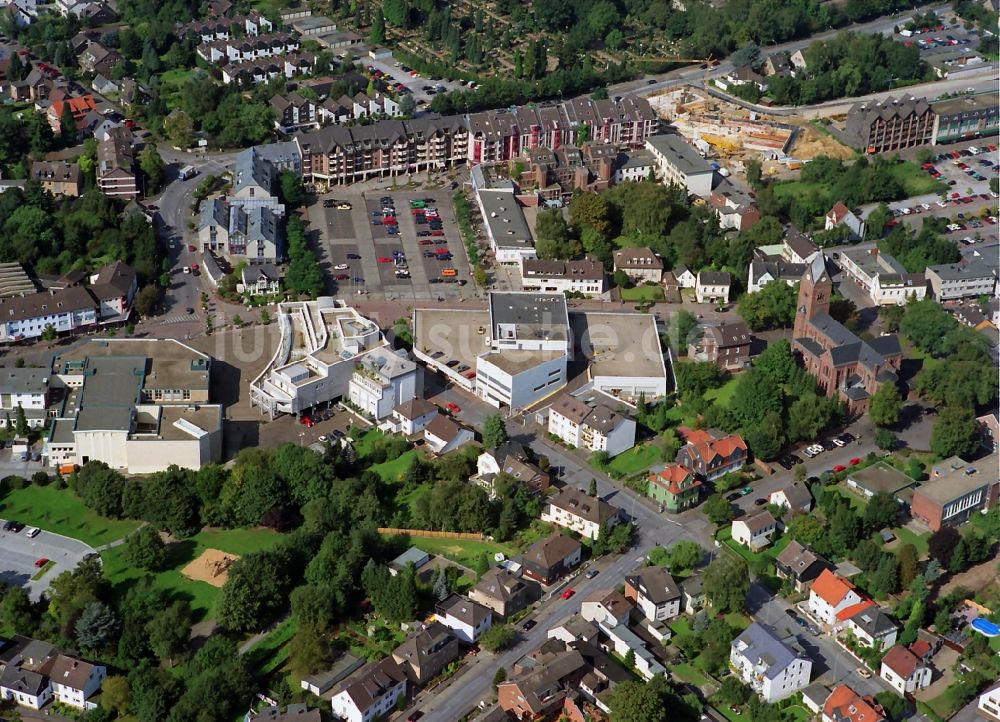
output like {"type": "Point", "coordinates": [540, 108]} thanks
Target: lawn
{"type": "Point", "coordinates": [725, 536]}
{"type": "Point", "coordinates": [177, 76]}
{"type": "Point", "coordinates": [689, 673]}
{"type": "Point", "coordinates": [61, 511]}
{"type": "Point", "coordinates": [945, 704]}
{"type": "Point", "coordinates": [642, 293]}
{"type": "Point", "coordinates": [364, 443]}
{"type": "Point", "coordinates": [798, 189]}
{"type": "Point", "coordinates": [461, 551]}
{"type": "Point", "coordinates": [636, 459]}
{"type": "Point", "coordinates": [914, 180]}
{"type": "Point", "coordinates": [200, 595]}
{"type": "Point", "coordinates": [724, 393]}
{"type": "Point", "coordinates": [394, 469]}
{"type": "Point", "coordinates": [906, 536]}
{"type": "Point", "coordinates": [270, 652]}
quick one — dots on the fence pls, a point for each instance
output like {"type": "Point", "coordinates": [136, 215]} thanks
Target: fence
{"type": "Point", "coordinates": [467, 536]}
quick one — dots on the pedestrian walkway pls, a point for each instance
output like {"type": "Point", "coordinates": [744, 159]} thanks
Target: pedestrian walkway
{"type": "Point", "coordinates": [180, 318]}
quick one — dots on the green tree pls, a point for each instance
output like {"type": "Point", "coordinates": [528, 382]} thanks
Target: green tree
{"type": "Point", "coordinates": [553, 240]}
{"type": "Point", "coordinates": [777, 362]}
{"type": "Point", "coordinates": [497, 637]}
{"type": "Point", "coordinates": [67, 126]}
{"type": "Point", "coordinates": [885, 439]}
{"type": "Point", "coordinates": [636, 702]}
{"type": "Point", "coordinates": [590, 209]}
{"type": "Point", "coordinates": [151, 165]}
{"type": "Point", "coordinates": [396, 12]}
{"type": "Point", "coordinates": [291, 189]}
{"type": "Point", "coordinates": [955, 433]}
{"type": "Point", "coordinates": [766, 438]}
{"type": "Point", "coordinates": [145, 549]}
{"type": "Point", "coordinates": [407, 105]}
{"type": "Point", "coordinates": [592, 488]}
{"type": "Point", "coordinates": [115, 695]}
{"type": "Point", "coordinates": [771, 307]}
{"type": "Point", "coordinates": [885, 405]}
{"type": "Point", "coordinates": [754, 173]}
{"type": "Point", "coordinates": [49, 333]}
{"type": "Point", "coordinates": [685, 555]}
{"type": "Point", "coordinates": [21, 427]}
{"type": "Point", "coordinates": [494, 431]}
{"type": "Point", "coordinates": [256, 587]}
{"type": "Point", "coordinates": [909, 564]}
{"type": "Point", "coordinates": [881, 511]}
{"type": "Point", "coordinates": [630, 659]}
{"type": "Point", "coordinates": [726, 582]}
{"type": "Point", "coordinates": [755, 395]}
{"type": "Point", "coordinates": [718, 510]}
{"type": "Point", "coordinates": [377, 34]}
{"type": "Point", "coordinates": [97, 626]}
{"type": "Point", "coordinates": [499, 677]}
{"type": "Point", "coordinates": [169, 630]}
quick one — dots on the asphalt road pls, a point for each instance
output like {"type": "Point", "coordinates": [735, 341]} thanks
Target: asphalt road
{"type": "Point", "coordinates": [18, 555]}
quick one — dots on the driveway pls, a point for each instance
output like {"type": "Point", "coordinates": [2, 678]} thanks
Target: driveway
{"type": "Point", "coordinates": [18, 554]}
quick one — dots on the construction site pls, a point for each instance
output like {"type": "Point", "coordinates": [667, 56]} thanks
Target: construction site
{"type": "Point", "coordinates": [734, 135]}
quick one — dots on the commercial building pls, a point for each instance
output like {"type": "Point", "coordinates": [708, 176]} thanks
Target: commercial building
{"type": "Point", "coordinates": [774, 668]}
{"type": "Point", "coordinates": [582, 277]}
{"type": "Point", "coordinates": [961, 280]}
{"type": "Point", "coordinates": [506, 227]}
{"type": "Point", "coordinates": [883, 278]}
{"type": "Point", "coordinates": [321, 343]}
{"type": "Point", "coordinates": [578, 512]}
{"type": "Point", "coordinates": [971, 116]}
{"type": "Point", "coordinates": [591, 426]}
{"type": "Point", "coordinates": [382, 380]}
{"type": "Point", "coordinates": [679, 163]}
{"type": "Point", "coordinates": [841, 362]}
{"type": "Point", "coordinates": [116, 168]}
{"type": "Point", "coordinates": [137, 405]}
{"type": "Point", "coordinates": [955, 491]}
{"type": "Point", "coordinates": [891, 124]}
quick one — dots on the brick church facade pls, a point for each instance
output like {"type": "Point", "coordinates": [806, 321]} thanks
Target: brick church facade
{"type": "Point", "coordinates": [841, 362]}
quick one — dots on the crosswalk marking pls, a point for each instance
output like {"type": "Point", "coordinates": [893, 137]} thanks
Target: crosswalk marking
{"type": "Point", "coordinates": [181, 318]}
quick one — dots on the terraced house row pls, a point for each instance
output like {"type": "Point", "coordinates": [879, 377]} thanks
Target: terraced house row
{"type": "Point", "coordinates": [335, 155]}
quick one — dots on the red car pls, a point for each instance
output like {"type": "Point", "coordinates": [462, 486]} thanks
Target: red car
{"type": "Point", "coordinates": [129, 123]}
{"type": "Point", "coordinates": [307, 422]}
{"type": "Point", "coordinates": [437, 232]}
{"type": "Point", "coordinates": [191, 249]}
{"type": "Point", "coordinates": [441, 251]}
{"type": "Point", "coordinates": [384, 259]}
{"type": "Point", "coordinates": [568, 593]}
{"type": "Point", "coordinates": [390, 221]}
{"type": "Point", "coordinates": [342, 277]}
{"type": "Point", "coordinates": [425, 242]}
{"type": "Point", "coordinates": [838, 468]}
{"type": "Point", "coordinates": [39, 563]}
{"type": "Point", "coordinates": [855, 461]}
{"type": "Point", "coordinates": [453, 407]}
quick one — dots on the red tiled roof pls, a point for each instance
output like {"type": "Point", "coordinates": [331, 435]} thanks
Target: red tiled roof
{"type": "Point", "coordinates": [850, 611]}
{"type": "Point", "coordinates": [838, 212]}
{"type": "Point", "coordinates": [901, 661]}
{"type": "Point", "coordinates": [671, 476]}
{"type": "Point", "coordinates": [845, 704]}
{"type": "Point", "coordinates": [920, 648]}
{"type": "Point", "coordinates": [831, 588]}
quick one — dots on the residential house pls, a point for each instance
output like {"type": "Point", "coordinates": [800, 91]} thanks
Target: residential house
{"type": "Point", "coordinates": [574, 628]}
{"type": "Point", "coordinates": [795, 497]}
{"type": "Point", "coordinates": [762, 273]}
{"type": "Point", "coordinates": [74, 681]}
{"type": "Point", "coordinates": [443, 435]}
{"type": "Point", "coordinates": [905, 672]}
{"type": "Point", "coordinates": [842, 363]}
{"type": "Point", "coordinates": [710, 455]}
{"type": "Point", "coordinates": [726, 343]}
{"type": "Point", "coordinates": [889, 124]}
{"type": "Point", "coordinates": [33, 88]}
{"type": "Point", "coordinates": [371, 692]}
{"type": "Point", "coordinates": [423, 655]}
{"type": "Point", "coordinates": [743, 75]}
{"type": "Point", "coordinates": [800, 564]}
{"type": "Point", "coordinates": [841, 215]}
{"type": "Point", "coordinates": [989, 703]}
{"type": "Point", "coordinates": [880, 478]}
{"type": "Point", "coordinates": [25, 388]}
{"type": "Point", "coordinates": [114, 287]}
{"type": "Point", "coordinates": [505, 592]}
{"type": "Point", "coordinates": [243, 229]}
{"type": "Point", "coordinates": [586, 515]}
{"type": "Point", "coordinates": [955, 491]}
{"type": "Point", "coordinates": [411, 417]}
{"type": "Point", "coordinates": [382, 380]}
{"type": "Point", "coordinates": [260, 279]}
{"type": "Point", "coordinates": [639, 264]}
{"type": "Point", "coordinates": [33, 672]}
{"type": "Point", "coordinates": [779, 63]}
{"type": "Point", "coordinates": [674, 487]}
{"type": "Point", "coordinates": [293, 713]}
{"type": "Point", "coordinates": [677, 162]}
{"type": "Point", "coordinates": [465, 618]}
{"type": "Point", "coordinates": [606, 607]}
{"type": "Point", "coordinates": [712, 287]}
{"type": "Point", "coordinates": [797, 248]}
{"type": "Point", "coordinates": [80, 106]}
{"type": "Point", "coordinates": [692, 593]}
{"type": "Point", "coordinates": [754, 531]}
{"type": "Point", "coordinates": [814, 697]}
{"type": "Point", "coordinates": [622, 640]}
{"type": "Point", "coordinates": [24, 687]}
{"type": "Point", "coordinates": [542, 688]}
{"type": "Point", "coordinates": [117, 175]}
{"type": "Point", "coordinates": [26, 317]}
{"type": "Point", "coordinates": [595, 427]}
{"type": "Point", "coordinates": [547, 560]}
{"type": "Point", "coordinates": [512, 460]}
{"type": "Point", "coordinates": [685, 278]}
{"type": "Point", "coordinates": [654, 592]}
{"type": "Point", "coordinates": [99, 59]}
{"type": "Point", "coordinates": [634, 166]}
{"type": "Point", "coordinates": [873, 628]}
{"type": "Point", "coordinates": [323, 681]}
{"type": "Point", "coordinates": [295, 113]}
{"type": "Point", "coordinates": [58, 177]}
{"type": "Point", "coordinates": [734, 206]}
{"type": "Point", "coordinates": [883, 278]}
{"type": "Point", "coordinates": [846, 705]}
{"type": "Point", "coordinates": [584, 277]}
{"type": "Point", "coordinates": [833, 599]}
{"type": "Point", "coordinates": [969, 279]}
{"type": "Point", "coordinates": [774, 668]}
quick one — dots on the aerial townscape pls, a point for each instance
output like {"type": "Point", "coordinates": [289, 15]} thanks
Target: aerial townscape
{"type": "Point", "coordinates": [398, 360]}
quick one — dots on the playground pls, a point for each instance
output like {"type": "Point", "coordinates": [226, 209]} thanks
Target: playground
{"type": "Point", "coordinates": [211, 567]}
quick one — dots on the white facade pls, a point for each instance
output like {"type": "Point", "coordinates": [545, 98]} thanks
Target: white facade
{"type": "Point", "coordinates": [825, 610]}
{"type": "Point", "coordinates": [26, 699]}
{"type": "Point", "coordinates": [345, 707]}
{"type": "Point", "coordinates": [579, 513]}
{"type": "Point", "coordinates": [708, 290]}
{"type": "Point", "coordinates": [766, 664]}
{"type": "Point", "coordinates": [920, 678]}
{"type": "Point", "coordinates": [77, 697]}
{"type": "Point", "coordinates": [743, 532]}
{"type": "Point", "coordinates": [989, 703]}
{"type": "Point", "coordinates": [382, 380]}
{"type": "Point", "coordinates": [463, 629]}
{"type": "Point", "coordinates": [614, 441]}
{"type": "Point", "coordinates": [679, 163]}
{"type": "Point", "coordinates": [957, 280]}
{"type": "Point", "coordinates": [501, 383]}
{"type": "Point", "coordinates": [61, 321]}
{"type": "Point", "coordinates": [623, 640]}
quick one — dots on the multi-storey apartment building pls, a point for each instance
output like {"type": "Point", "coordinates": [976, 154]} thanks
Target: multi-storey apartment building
{"type": "Point", "coordinates": [677, 162]}
{"type": "Point", "coordinates": [595, 427]}
{"type": "Point", "coordinates": [890, 124]}
{"type": "Point", "coordinates": [382, 380]}
{"type": "Point", "coordinates": [116, 172]}
{"type": "Point", "coordinates": [972, 116]}
{"type": "Point", "coordinates": [961, 280]}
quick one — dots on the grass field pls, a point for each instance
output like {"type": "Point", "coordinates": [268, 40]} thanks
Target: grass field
{"type": "Point", "coordinates": [394, 469]}
{"type": "Point", "coordinates": [689, 673]}
{"type": "Point", "coordinates": [914, 180]}
{"type": "Point", "coordinates": [724, 393]}
{"type": "Point", "coordinates": [200, 595]}
{"type": "Point", "coordinates": [61, 511]}
{"type": "Point", "coordinates": [271, 652]}
{"type": "Point", "coordinates": [771, 551]}
{"type": "Point", "coordinates": [636, 459]}
{"type": "Point", "coordinates": [461, 551]}
{"type": "Point", "coordinates": [642, 293]}
{"type": "Point", "coordinates": [906, 536]}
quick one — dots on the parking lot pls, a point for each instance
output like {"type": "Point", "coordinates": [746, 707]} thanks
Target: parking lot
{"type": "Point", "coordinates": [423, 89]}
{"type": "Point", "coordinates": [383, 248]}
{"type": "Point", "coordinates": [19, 556]}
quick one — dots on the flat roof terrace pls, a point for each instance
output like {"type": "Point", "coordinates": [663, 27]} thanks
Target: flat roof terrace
{"type": "Point", "coordinates": [455, 334]}
{"type": "Point", "coordinates": [618, 344]}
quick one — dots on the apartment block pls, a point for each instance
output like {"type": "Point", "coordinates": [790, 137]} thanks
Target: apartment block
{"type": "Point", "coordinates": [677, 162]}
{"type": "Point", "coordinates": [971, 116]}
{"type": "Point", "coordinates": [961, 280]}
{"type": "Point", "coordinates": [116, 168]}
{"type": "Point", "coordinates": [595, 427]}
{"type": "Point", "coordinates": [892, 124]}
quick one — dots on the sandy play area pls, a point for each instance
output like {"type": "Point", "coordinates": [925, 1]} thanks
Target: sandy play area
{"type": "Point", "coordinates": [211, 566]}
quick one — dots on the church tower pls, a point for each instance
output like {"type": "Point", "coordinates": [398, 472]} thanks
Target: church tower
{"type": "Point", "coordinates": [815, 290]}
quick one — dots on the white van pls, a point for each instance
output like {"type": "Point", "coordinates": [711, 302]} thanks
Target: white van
{"type": "Point", "coordinates": [32, 532]}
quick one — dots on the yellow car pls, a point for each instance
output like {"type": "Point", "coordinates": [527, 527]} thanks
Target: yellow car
{"type": "Point", "coordinates": [343, 206]}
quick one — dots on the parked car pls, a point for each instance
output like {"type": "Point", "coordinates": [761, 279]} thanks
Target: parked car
{"type": "Point", "coordinates": [452, 407]}
{"type": "Point", "coordinates": [32, 532]}
{"type": "Point", "coordinates": [733, 497]}
{"type": "Point", "coordinates": [591, 574]}
{"type": "Point", "coordinates": [341, 267]}
{"type": "Point", "coordinates": [568, 593]}
{"type": "Point", "coordinates": [759, 501]}
{"type": "Point", "coordinates": [746, 490]}
{"type": "Point", "coordinates": [41, 562]}
{"type": "Point", "coordinates": [307, 421]}
{"type": "Point", "coordinates": [529, 625]}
